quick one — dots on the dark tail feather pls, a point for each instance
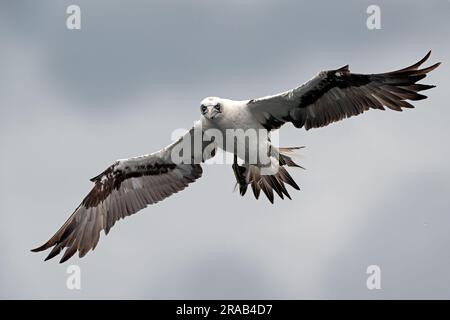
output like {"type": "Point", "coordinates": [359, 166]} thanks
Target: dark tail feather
{"type": "Point", "coordinates": [251, 175]}
{"type": "Point", "coordinates": [240, 174]}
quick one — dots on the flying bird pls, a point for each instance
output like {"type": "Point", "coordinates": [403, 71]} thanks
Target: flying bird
{"type": "Point", "coordinates": [129, 185]}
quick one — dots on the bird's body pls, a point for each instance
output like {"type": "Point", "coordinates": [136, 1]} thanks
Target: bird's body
{"type": "Point", "coordinates": [236, 119]}
{"type": "Point", "coordinates": [235, 116]}
{"type": "Point", "coordinates": [239, 127]}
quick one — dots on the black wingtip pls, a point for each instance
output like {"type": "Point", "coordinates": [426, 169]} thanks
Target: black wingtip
{"type": "Point", "coordinates": [416, 65]}
{"type": "Point", "coordinates": [438, 64]}
{"type": "Point", "coordinates": [40, 248]}
{"type": "Point", "coordinates": [430, 68]}
{"type": "Point", "coordinates": [68, 254]}
{"type": "Point", "coordinates": [344, 68]}
{"type": "Point", "coordinates": [424, 58]}
{"type": "Point", "coordinates": [50, 256]}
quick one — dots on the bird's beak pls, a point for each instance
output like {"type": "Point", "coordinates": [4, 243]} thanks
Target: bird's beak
{"type": "Point", "coordinates": [212, 113]}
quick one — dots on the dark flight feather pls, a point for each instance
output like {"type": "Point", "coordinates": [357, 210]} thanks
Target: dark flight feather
{"type": "Point", "coordinates": [251, 175]}
{"type": "Point", "coordinates": [123, 189]}
{"type": "Point", "coordinates": [334, 95]}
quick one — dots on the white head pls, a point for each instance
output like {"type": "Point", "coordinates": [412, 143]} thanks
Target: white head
{"type": "Point", "coordinates": [212, 107]}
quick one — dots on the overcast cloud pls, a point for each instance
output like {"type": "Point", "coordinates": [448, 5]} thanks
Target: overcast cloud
{"type": "Point", "coordinates": [376, 189]}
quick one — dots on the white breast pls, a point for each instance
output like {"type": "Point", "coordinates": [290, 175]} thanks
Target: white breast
{"type": "Point", "coordinates": [236, 116]}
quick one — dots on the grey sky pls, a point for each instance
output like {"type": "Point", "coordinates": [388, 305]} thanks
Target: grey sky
{"type": "Point", "coordinates": [376, 186]}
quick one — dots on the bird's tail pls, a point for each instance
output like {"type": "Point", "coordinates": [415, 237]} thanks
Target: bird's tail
{"type": "Point", "coordinates": [248, 174]}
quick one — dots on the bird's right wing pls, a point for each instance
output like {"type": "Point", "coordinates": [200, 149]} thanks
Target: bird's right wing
{"type": "Point", "coordinates": [128, 186]}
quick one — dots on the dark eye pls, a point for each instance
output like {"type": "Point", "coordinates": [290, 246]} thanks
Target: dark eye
{"type": "Point", "coordinates": [203, 108]}
{"type": "Point", "coordinates": [217, 107]}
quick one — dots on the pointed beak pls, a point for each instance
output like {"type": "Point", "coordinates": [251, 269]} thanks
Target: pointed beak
{"type": "Point", "coordinates": [211, 112]}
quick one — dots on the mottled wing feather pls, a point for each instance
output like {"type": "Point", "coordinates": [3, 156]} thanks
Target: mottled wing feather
{"type": "Point", "coordinates": [338, 94]}
{"type": "Point", "coordinates": [124, 188]}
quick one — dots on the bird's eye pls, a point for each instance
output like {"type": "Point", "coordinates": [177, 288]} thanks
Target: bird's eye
{"type": "Point", "coordinates": [217, 107]}
{"type": "Point", "coordinates": [203, 108]}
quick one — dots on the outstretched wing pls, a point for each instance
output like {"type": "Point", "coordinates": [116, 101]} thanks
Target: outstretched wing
{"type": "Point", "coordinates": [338, 94]}
{"type": "Point", "coordinates": [126, 187]}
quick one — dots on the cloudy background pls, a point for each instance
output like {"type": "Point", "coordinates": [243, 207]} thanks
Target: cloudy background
{"type": "Point", "coordinates": [376, 189]}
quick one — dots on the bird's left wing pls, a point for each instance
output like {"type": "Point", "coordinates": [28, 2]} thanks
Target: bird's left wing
{"type": "Point", "coordinates": [126, 187]}
{"type": "Point", "coordinates": [338, 94]}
